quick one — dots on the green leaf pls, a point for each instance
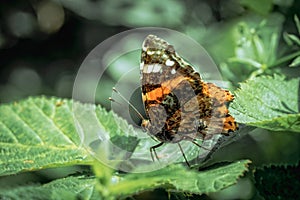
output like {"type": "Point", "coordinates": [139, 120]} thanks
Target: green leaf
{"type": "Point", "coordinates": [296, 62]}
{"type": "Point", "coordinates": [38, 133]}
{"type": "Point", "coordinates": [174, 177]}
{"type": "Point", "coordinates": [293, 38]}
{"type": "Point", "coordinates": [247, 61]}
{"type": "Point", "coordinates": [268, 102]}
{"type": "Point", "coordinates": [79, 187]}
{"type": "Point", "coordinates": [179, 178]}
{"type": "Point", "coordinates": [287, 39]}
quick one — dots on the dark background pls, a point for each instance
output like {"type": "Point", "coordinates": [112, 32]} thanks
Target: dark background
{"type": "Point", "coordinates": [42, 43]}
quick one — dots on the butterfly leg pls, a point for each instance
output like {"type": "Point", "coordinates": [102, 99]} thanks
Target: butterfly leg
{"type": "Point", "coordinates": [152, 149]}
{"type": "Point", "coordinates": [200, 146]}
{"type": "Point", "coordinates": [186, 161]}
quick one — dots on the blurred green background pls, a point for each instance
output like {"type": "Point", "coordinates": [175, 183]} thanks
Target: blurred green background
{"type": "Point", "coordinates": [43, 43]}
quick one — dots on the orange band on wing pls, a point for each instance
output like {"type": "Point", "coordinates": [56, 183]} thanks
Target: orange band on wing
{"type": "Point", "coordinates": [165, 88]}
{"type": "Point", "coordinates": [157, 93]}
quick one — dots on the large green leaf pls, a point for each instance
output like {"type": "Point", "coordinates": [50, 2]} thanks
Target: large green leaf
{"type": "Point", "coordinates": [174, 177]}
{"type": "Point", "coordinates": [179, 178]}
{"type": "Point", "coordinates": [38, 133]}
{"type": "Point", "coordinates": [79, 187]}
{"type": "Point", "coordinates": [268, 102]}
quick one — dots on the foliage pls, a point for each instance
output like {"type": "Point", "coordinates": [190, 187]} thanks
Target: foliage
{"type": "Point", "coordinates": [43, 135]}
{"type": "Point", "coordinates": [37, 134]}
{"type": "Point", "coordinates": [268, 102]}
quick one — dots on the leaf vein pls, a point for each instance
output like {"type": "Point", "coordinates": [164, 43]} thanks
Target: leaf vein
{"type": "Point", "coordinates": [10, 132]}
{"type": "Point", "coordinates": [63, 134]}
{"type": "Point", "coordinates": [27, 124]}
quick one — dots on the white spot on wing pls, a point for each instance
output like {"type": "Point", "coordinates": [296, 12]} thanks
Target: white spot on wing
{"type": "Point", "coordinates": [141, 65]}
{"type": "Point", "coordinates": [153, 68]}
{"type": "Point", "coordinates": [156, 68]}
{"type": "Point", "coordinates": [150, 52]}
{"type": "Point", "coordinates": [173, 71]}
{"type": "Point", "coordinates": [164, 56]}
{"type": "Point", "coordinates": [148, 69]}
{"type": "Point", "coordinates": [170, 62]}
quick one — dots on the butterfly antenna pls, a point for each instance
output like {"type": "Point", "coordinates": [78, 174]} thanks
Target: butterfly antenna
{"type": "Point", "coordinates": [135, 110]}
{"type": "Point", "coordinates": [112, 100]}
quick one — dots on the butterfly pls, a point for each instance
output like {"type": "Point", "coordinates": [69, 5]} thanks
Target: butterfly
{"type": "Point", "coordinates": [179, 105]}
